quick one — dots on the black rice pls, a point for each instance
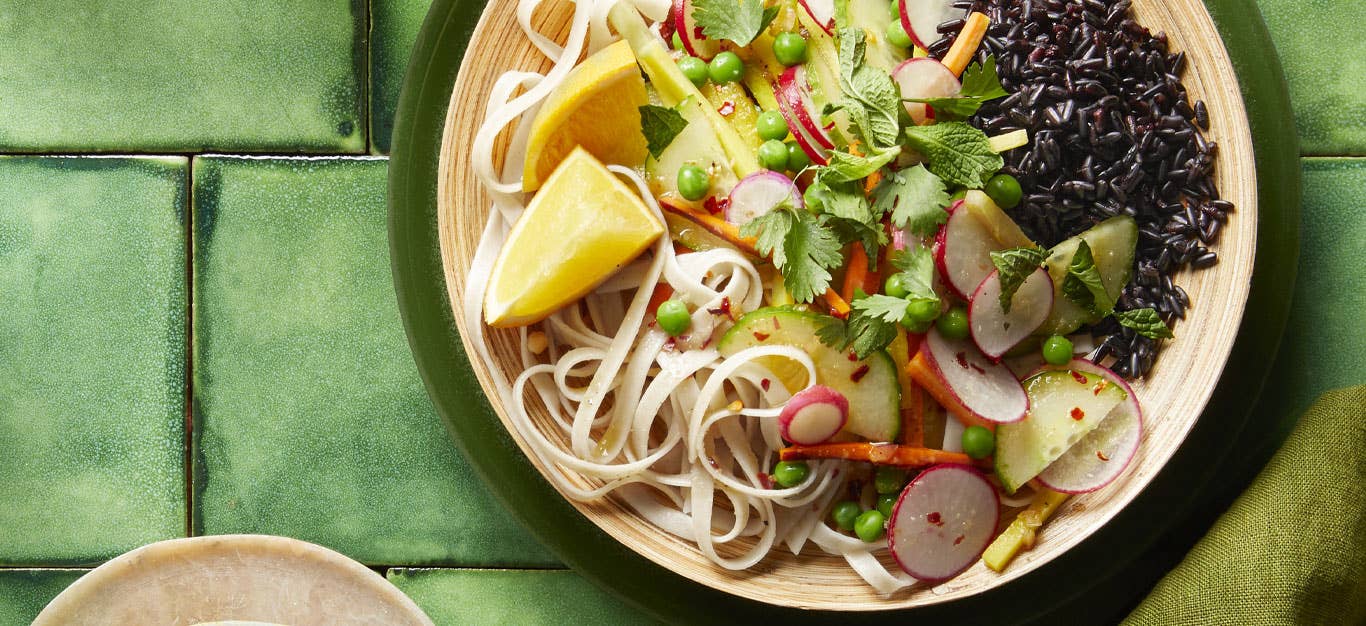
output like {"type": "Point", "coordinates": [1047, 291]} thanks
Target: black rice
{"type": "Point", "coordinates": [1112, 131]}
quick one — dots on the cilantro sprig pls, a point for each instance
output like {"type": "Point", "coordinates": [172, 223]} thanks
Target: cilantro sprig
{"type": "Point", "coordinates": [873, 319]}
{"type": "Point", "coordinates": [726, 19]}
{"type": "Point", "coordinates": [915, 198]}
{"type": "Point", "coordinates": [980, 84]}
{"type": "Point", "coordinates": [802, 248]}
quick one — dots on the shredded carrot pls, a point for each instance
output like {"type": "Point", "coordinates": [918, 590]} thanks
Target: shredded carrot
{"type": "Point", "coordinates": [875, 453]}
{"type": "Point", "coordinates": [855, 272]}
{"type": "Point", "coordinates": [965, 45]}
{"type": "Point", "coordinates": [913, 415]}
{"type": "Point", "coordinates": [838, 306]}
{"type": "Point", "coordinates": [662, 292]}
{"type": "Point", "coordinates": [717, 226]}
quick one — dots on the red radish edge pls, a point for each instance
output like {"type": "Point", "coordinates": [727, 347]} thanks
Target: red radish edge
{"type": "Point", "coordinates": [804, 140]}
{"type": "Point", "coordinates": [827, 24]}
{"type": "Point", "coordinates": [910, 77]}
{"type": "Point", "coordinates": [813, 415]}
{"type": "Point", "coordinates": [743, 208]}
{"type": "Point", "coordinates": [792, 88]}
{"type": "Point", "coordinates": [1136, 411]}
{"type": "Point", "coordinates": [941, 248]}
{"type": "Point", "coordinates": [944, 14]}
{"type": "Point", "coordinates": [933, 339]}
{"type": "Point", "coordinates": [1023, 318]}
{"type": "Point", "coordinates": [690, 34]}
{"type": "Point", "coordinates": [990, 501]}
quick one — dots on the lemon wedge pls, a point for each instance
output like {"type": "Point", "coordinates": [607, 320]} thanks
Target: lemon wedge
{"type": "Point", "coordinates": [597, 107]}
{"type": "Point", "coordinates": [580, 228]}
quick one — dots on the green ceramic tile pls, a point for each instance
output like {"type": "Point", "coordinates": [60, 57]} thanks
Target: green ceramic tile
{"type": "Point", "coordinates": [182, 76]}
{"type": "Point", "coordinates": [1324, 56]}
{"type": "Point", "coordinates": [393, 30]}
{"type": "Point", "coordinates": [92, 350]}
{"type": "Point", "coordinates": [522, 597]}
{"type": "Point", "coordinates": [1324, 347]}
{"type": "Point", "coordinates": [24, 592]}
{"type": "Point", "coordinates": [311, 420]}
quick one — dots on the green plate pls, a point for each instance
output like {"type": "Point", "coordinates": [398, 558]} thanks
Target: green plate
{"type": "Point", "coordinates": [476, 428]}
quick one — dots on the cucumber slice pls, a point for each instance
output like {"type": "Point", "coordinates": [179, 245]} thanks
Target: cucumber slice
{"type": "Point", "coordinates": [696, 145]}
{"type": "Point", "coordinates": [1064, 406]}
{"type": "Point", "coordinates": [870, 385]}
{"type": "Point", "coordinates": [1112, 242]}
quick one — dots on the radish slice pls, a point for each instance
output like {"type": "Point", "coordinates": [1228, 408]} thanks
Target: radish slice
{"type": "Point", "coordinates": [1103, 454]}
{"type": "Point", "coordinates": [925, 78]}
{"type": "Point", "coordinates": [799, 132]}
{"type": "Point", "coordinates": [921, 19]}
{"type": "Point", "coordinates": [822, 12]}
{"type": "Point", "coordinates": [942, 522]}
{"type": "Point", "coordinates": [813, 415]}
{"type": "Point", "coordinates": [758, 194]}
{"type": "Point", "coordinates": [993, 329]}
{"type": "Point", "coordinates": [988, 389]}
{"type": "Point", "coordinates": [690, 33]}
{"type": "Point", "coordinates": [962, 249]}
{"type": "Point", "coordinates": [795, 94]}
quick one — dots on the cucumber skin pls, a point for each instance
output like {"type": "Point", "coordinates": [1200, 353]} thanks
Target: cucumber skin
{"type": "Point", "coordinates": [741, 336]}
{"type": "Point", "coordinates": [1004, 431]}
{"type": "Point", "coordinates": [1067, 317]}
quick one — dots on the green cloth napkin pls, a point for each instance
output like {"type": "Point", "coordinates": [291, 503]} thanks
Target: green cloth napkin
{"type": "Point", "coordinates": [1292, 548]}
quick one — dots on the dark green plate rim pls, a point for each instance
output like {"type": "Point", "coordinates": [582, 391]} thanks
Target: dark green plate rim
{"type": "Point", "coordinates": [440, 356]}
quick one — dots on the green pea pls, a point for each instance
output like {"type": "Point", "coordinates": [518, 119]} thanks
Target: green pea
{"type": "Point", "coordinates": [790, 473]}
{"type": "Point", "coordinates": [953, 324]}
{"type": "Point", "coordinates": [889, 479]}
{"type": "Point", "coordinates": [772, 125]}
{"type": "Point", "coordinates": [694, 69]}
{"type": "Point", "coordinates": [773, 155]}
{"type": "Point", "coordinates": [918, 327]}
{"type": "Point", "coordinates": [1004, 191]}
{"type": "Point", "coordinates": [726, 68]}
{"type": "Point", "coordinates": [922, 310]}
{"type": "Point", "coordinates": [790, 48]}
{"type": "Point", "coordinates": [677, 42]}
{"type": "Point", "coordinates": [978, 442]}
{"type": "Point", "coordinates": [886, 502]}
{"type": "Point", "coordinates": [845, 513]}
{"type": "Point", "coordinates": [673, 317]}
{"type": "Point", "coordinates": [1057, 350]}
{"type": "Point", "coordinates": [896, 34]}
{"type": "Point", "coordinates": [797, 159]}
{"type": "Point", "coordinates": [870, 526]}
{"type": "Point", "coordinates": [693, 182]}
{"type": "Point", "coordinates": [893, 286]}
{"type": "Point", "coordinates": [896, 10]}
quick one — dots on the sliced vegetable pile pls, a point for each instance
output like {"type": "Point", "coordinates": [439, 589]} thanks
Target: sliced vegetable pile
{"type": "Point", "coordinates": [846, 275]}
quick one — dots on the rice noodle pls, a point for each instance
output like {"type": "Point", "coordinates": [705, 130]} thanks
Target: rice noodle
{"type": "Point", "coordinates": [669, 427]}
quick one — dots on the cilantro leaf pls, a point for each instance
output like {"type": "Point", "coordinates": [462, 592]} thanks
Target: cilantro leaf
{"type": "Point", "coordinates": [1145, 322]}
{"type": "Point", "coordinates": [885, 308]}
{"type": "Point", "coordinates": [660, 125]}
{"type": "Point", "coordinates": [834, 196]}
{"type": "Point", "coordinates": [872, 100]}
{"type": "Point", "coordinates": [871, 236]}
{"type": "Point", "coordinates": [801, 247]}
{"type": "Point", "coordinates": [917, 273]}
{"type": "Point", "coordinates": [956, 152]}
{"type": "Point", "coordinates": [1013, 266]}
{"type": "Point", "coordinates": [866, 333]}
{"type": "Point", "coordinates": [915, 198]}
{"type": "Point", "coordinates": [980, 84]}
{"type": "Point", "coordinates": [1083, 284]}
{"type": "Point", "coordinates": [726, 19]}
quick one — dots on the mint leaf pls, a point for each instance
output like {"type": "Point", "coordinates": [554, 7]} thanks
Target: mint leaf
{"type": "Point", "coordinates": [739, 22]}
{"type": "Point", "coordinates": [1145, 322]}
{"type": "Point", "coordinates": [915, 198]}
{"type": "Point", "coordinates": [660, 125]}
{"type": "Point", "coordinates": [917, 273]}
{"type": "Point", "coordinates": [956, 152]}
{"type": "Point", "coordinates": [872, 100]}
{"type": "Point", "coordinates": [846, 167]}
{"type": "Point", "coordinates": [1083, 284]}
{"type": "Point", "coordinates": [883, 307]}
{"type": "Point", "coordinates": [1013, 266]}
{"type": "Point", "coordinates": [980, 84]}
{"type": "Point", "coordinates": [801, 248]}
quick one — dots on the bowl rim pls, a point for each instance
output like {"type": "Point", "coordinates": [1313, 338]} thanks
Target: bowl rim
{"type": "Point", "coordinates": [441, 358]}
